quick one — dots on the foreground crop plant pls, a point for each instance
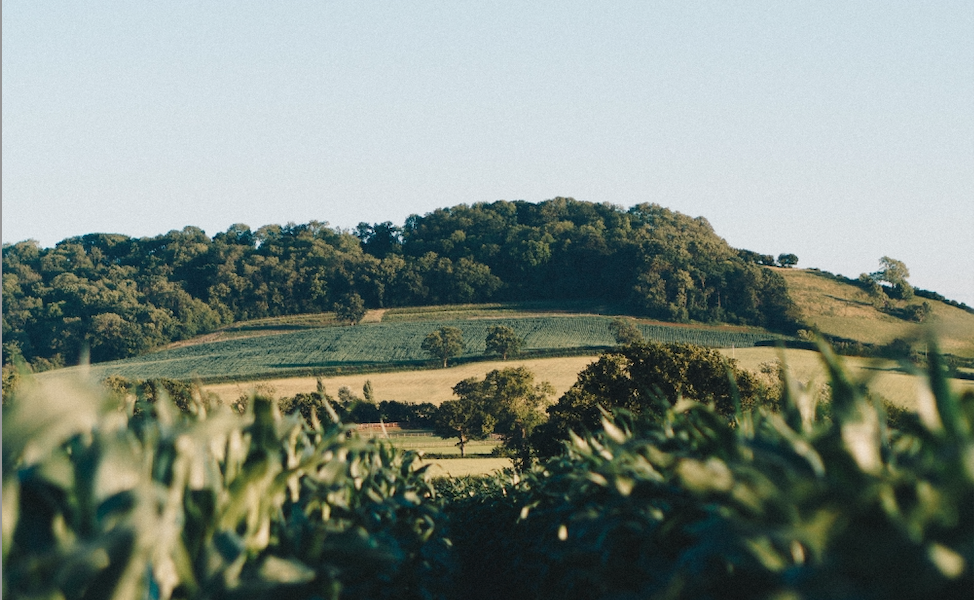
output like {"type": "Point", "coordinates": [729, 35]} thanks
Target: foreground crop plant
{"type": "Point", "coordinates": [169, 504]}
{"type": "Point", "coordinates": [686, 504]}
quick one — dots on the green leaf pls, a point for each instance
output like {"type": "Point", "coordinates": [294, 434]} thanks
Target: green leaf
{"type": "Point", "coordinates": [286, 571]}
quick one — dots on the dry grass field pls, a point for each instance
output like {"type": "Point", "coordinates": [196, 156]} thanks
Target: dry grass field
{"type": "Point", "coordinates": [843, 310]}
{"type": "Point", "coordinates": [885, 377]}
{"type": "Point", "coordinates": [415, 386]}
{"type": "Point", "coordinates": [460, 467]}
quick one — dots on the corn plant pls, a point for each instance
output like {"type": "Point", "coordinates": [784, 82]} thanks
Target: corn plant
{"type": "Point", "coordinates": [110, 500]}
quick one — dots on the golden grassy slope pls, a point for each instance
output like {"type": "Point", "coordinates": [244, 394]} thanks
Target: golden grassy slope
{"type": "Point", "coordinates": [883, 377]}
{"type": "Point", "coordinates": [844, 310]}
{"type": "Point", "coordinates": [416, 386]}
{"type": "Point", "coordinates": [435, 386]}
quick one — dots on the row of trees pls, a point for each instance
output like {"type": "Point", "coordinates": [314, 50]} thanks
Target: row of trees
{"type": "Point", "coordinates": [447, 342]}
{"type": "Point", "coordinates": [122, 296]}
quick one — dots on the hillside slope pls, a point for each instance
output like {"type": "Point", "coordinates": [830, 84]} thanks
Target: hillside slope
{"type": "Point", "coordinates": [841, 310]}
{"type": "Point", "coordinates": [397, 345]}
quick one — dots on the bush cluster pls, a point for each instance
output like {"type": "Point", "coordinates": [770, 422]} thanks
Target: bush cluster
{"type": "Point", "coordinates": [688, 505]}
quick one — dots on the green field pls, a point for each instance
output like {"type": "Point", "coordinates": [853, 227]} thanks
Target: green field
{"type": "Point", "coordinates": [395, 345]}
{"type": "Point", "coordinates": [428, 443]}
{"type": "Point", "coordinates": [444, 456]}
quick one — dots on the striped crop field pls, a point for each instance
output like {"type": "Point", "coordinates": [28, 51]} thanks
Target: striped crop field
{"type": "Point", "coordinates": [394, 345]}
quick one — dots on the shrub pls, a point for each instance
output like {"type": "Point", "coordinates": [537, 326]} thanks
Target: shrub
{"type": "Point", "coordinates": [645, 378]}
{"type": "Point", "coordinates": [785, 505]}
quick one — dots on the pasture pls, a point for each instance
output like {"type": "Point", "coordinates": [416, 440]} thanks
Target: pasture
{"type": "Point", "coordinates": [444, 455]}
{"type": "Point", "coordinates": [884, 377]}
{"type": "Point", "coordinates": [842, 310]}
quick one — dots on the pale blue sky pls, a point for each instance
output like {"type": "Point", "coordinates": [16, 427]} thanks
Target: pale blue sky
{"type": "Point", "coordinates": [840, 131]}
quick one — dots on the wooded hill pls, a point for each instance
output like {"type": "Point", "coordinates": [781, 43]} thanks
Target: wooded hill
{"type": "Point", "coordinates": [123, 296]}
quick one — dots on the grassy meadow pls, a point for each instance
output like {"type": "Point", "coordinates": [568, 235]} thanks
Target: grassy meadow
{"type": "Point", "coordinates": [842, 310]}
{"type": "Point", "coordinates": [444, 455]}
{"type": "Point", "coordinates": [885, 378]}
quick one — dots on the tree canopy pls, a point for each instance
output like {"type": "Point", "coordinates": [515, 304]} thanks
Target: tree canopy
{"type": "Point", "coordinates": [350, 309]}
{"type": "Point", "coordinates": [894, 274]}
{"type": "Point", "coordinates": [641, 378]}
{"type": "Point", "coordinates": [465, 419]}
{"type": "Point", "coordinates": [625, 331]}
{"type": "Point", "coordinates": [787, 260]}
{"type": "Point", "coordinates": [123, 296]}
{"type": "Point", "coordinates": [503, 340]}
{"type": "Point", "coordinates": [511, 403]}
{"type": "Point", "coordinates": [444, 343]}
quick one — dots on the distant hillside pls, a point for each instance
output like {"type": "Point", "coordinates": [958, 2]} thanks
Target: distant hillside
{"type": "Point", "coordinates": [121, 297]}
{"type": "Point", "coordinates": [843, 310]}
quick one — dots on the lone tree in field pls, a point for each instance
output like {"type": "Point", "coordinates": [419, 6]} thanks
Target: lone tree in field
{"type": "Point", "coordinates": [444, 343]}
{"type": "Point", "coordinates": [515, 403]}
{"type": "Point", "coordinates": [787, 260]}
{"type": "Point", "coordinates": [350, 309]}
{"type": "Point", "coordinates": [502, 340]}
{"type": "Point", "coordinates": [625, 332]}
{"type": "Point", "coordinates": [463, 419]}
{"type": "Point", "coordinates": [894, 273]}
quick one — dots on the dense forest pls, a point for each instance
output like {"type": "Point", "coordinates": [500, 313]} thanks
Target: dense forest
{"type": "Point", "coordinates": [121, 296]}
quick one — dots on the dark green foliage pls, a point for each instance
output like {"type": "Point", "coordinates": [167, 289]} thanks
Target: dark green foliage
{"type": "Point", "coordinates": [506, 402]}
{"type": "Point", "coordinates": [444, 343]}
{"type": "Point", "coordinates": [894, 274]}
{"type": "Point", "coordinates": [198, 504]}
{"type": "Point", "coordinates": [380, 239]}
{"type": "Point", "coordinates": [414, 416]}
{"type": "Point", "coordinates": [929, 295]}
{"type": "Point", "coordinates": [350, 309]}
{"type": "Point", "coordinates": [123, 296]}
{"type": "Point", "coordinates": [349, 409]}
{"type": "Point", "coordinates": [787, 260]}
{"type": "Point", "coordinates": [918, 313]}
{"type": "Point", "coordinates": [645, 378]}
{"type": "Point", "coordinates": [750, 256]}
{"type": "Point", "coordinates": [503, 340]}
{"type": "Point", "coordinates": [624, 331]}
{"type": "Point", "coordinates": [778, 505]}
{"type": "Point", "coordinates": [465, 419]}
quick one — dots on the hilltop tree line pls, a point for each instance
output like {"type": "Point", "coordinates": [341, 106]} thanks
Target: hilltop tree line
{"type": "Point", "coordinates": [121, 296]}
